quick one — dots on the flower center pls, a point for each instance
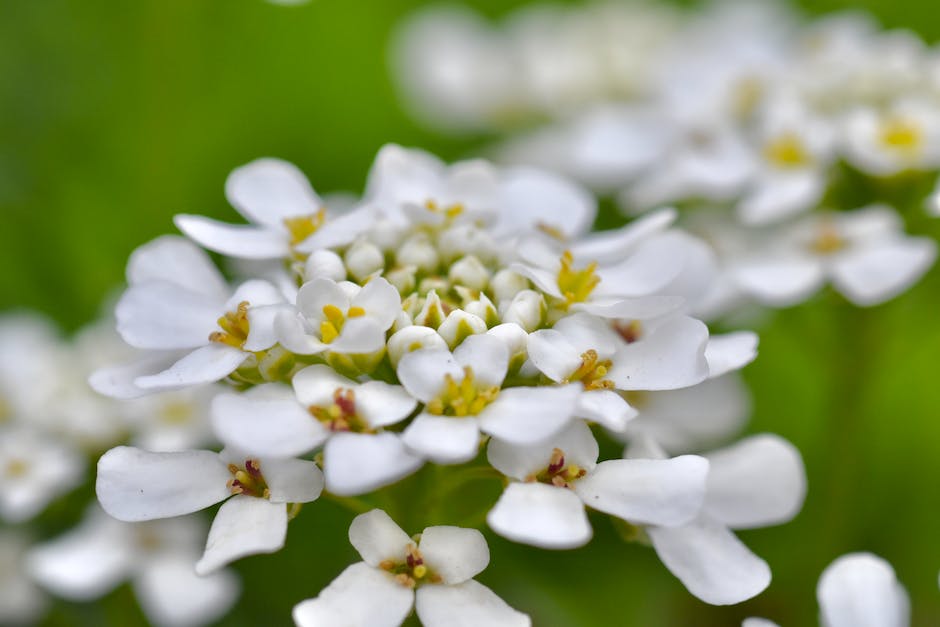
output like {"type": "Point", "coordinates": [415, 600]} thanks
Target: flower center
{"type": "Point", "coordinates": [448, 211]}
{"type": "Point", "coordinates": [592, 371]}
{"type": "Point", "coordinates": [234, 325]}
{"type": "Point", "coordinates": [464, 398]}
{"type": "Point", "coordinates": [630, 331]}
{"type": "Point", "coordinates": [301, 227]}
{"type": "Point", "coordinates": [335, 319]}
{"type": "Point", "coordinates": [827, 240]}
{"type": "Point", "coordinates": [576, 284]}
{"type": "Point", "coordinates": [558, 472]}
{"type": "Point", "coordinates": [176, 413]}
{"type": "Point", "coordinates": [902, 134]}
{"type": "Point", "coordinates": [342, 414]}
{"type": "Point", "coordinates": [248, 480]}
{"type": "Point", "coordinates": [413, 572]}
{"type": "Point", "coordinates": [16, 468]}
{"type": "Point", "coordinates": [787, 151]}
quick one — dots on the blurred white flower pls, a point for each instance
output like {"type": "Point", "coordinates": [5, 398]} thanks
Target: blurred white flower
{"type": "Point", "coordinates": [21, 601]}
{"type": "Point", "coordinates": [35, 469]}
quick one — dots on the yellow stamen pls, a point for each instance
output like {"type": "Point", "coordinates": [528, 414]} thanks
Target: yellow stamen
{"type": "Point", "coordinates": [787, 151]}
{"type": "Point", "coordinates": [465, 398]}
{"type": "Point", "coordinates": [592, 371]}
{"type": "Point", "coordinates": [576, 285]}
{"type": "Point", "coordinates": [827, 240]}
{"type": "Point", "coordinates": [302, 227]}
{"type": "Point", "coordinates": [235, 327]}
{"type": "Point", "coordinates": [902, 134]}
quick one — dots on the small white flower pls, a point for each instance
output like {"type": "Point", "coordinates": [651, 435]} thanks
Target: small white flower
{"type": "Point", "coordinates": [463, 396]}
{"type": "Point", "coordinates": [865, 254]}
{"type": "Point", "coordinates": [861, 590]}
{"type": "Point", "coordinates": [172, 421]}
{"type": "Point", "coordinates": [432, 574]}
{"type": "Point", "coordinates": [179, 304]}
{"type": "Point", "coordinates": [904, 137]}
{"type": "Point", "coordinates": [347, 416]}
{"type": "Point", "coordinates": [557, 478]}
{"type": "Point", "coordinates": [35, 469]}
{"type": "Point", "coordinates": [135, 485]}
{"type": "Point", "coordinates": [339, 317]}
{"type": "Point", "coordinates": [158, 557]}
{"type": "Point", "coordinates": [277, 200]}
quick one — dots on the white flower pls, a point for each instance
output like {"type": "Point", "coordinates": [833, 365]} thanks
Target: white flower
{"type": "Point", "coordinates": [278, 202]}
{"type": "Point", "coordinates": [864, 253]}
{"type": "Point", "coordinates": [35, 469]}
{"type": "Point", "coordinates": [339, 317]}
{"type": "Point", "coordinates": [158, 557]}
{"type": "Point", "coordinates": [463, 396]}
{"type": "Point", "coordinates": [758, 482]}
{"type": "Point", "coordinates": [861, 590]}
{"type": "Point", "coordinates": [171, 421]}
{"type": "Point", "coordinates": [904, 137]}
{"type": "Point", "coordinates": [21, 602]}
{"type": "Point", "coordinates": [358, 455]}
{"type": "Point", "coordinates": [135, 485]}
{"type": "Point", "coordinates": [179, 306]}
{"type": "Point", "coordinates": [432, 573]}
{"type": "Point", "coordinates": [557, 478]}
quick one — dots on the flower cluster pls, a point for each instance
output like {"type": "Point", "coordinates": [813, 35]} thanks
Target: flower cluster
{"type": "Point", "coordinates": [458, 315]}
{"type": "Point", "coordinates": [739, 113]}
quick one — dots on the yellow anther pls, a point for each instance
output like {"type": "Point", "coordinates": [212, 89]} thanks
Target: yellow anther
{"type": "Point", "coordinates": [558, 473]}
{"type": "Point", "coordinates": [334, 314]}
{"type": "Point", "coordinates": [551, 230]}
{"type": "Point", "coordinates": [420, 571]}
{"type": "Point", "coordinates": [355, 312]}
{"type": "Point", "coordinates": [342, 414]}
{"type": "Point", "coordinates": [302, 227]}
{"type": "Point", "coordinates": [234, 325]}
{"type": "Point", "coordinates": [328, 332]}
{"type": "Point", "coordinates": [450, 211]}
{"type": "Point", "coordinates": [902, 134]}
{"type": "Point", "coordinates": [592, 371]}
{"type": "Point", "coordinates": [248, 480]}
{"type": "Point", "coordinates": [787, 150]}
{"type": "Point", "coordinates": [576, 285]}
{"type": "Point", "coordinates": [465, 398]}
{"type": "Point", "coordinates": [827, 240]}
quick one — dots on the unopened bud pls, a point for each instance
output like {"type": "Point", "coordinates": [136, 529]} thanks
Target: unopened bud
{"type": "Point", "coordinates": [483, 308]}
{"type": "Point", "coordinates": [469, 272]}
{"type": "Point", "coordinates": [364, 258]}
{"type": "Point", "coordinates": [403, 279]}
{"type": "Point", "coordinates": [432, 314]}
{"type": "Point", "coordinates": [418, 251]}
{"type": "Point", "coordinates": [411, 339]}
{"type": "Point", "coordinates": [527, 310]}
{"type": "Point", "coordinates": [506, 284]}
{"type": "Point", "coordinates": [460, 325]}
{"type": "Point", "coordinates": [326, 264]}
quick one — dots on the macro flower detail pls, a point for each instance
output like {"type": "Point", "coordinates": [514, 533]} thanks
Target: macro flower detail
{"type": "Point", "coordinates": [433, 574]}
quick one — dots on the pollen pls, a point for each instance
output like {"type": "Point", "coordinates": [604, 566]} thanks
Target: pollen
{"type": "Point", "coordinates": [464, 397]}
{"type": "Point", "coordinates": [235, 327]}
{"type": "Point", "coordinates": [302, 227]}
{"type": "Point", "coordinates": [342, 414]}
{"type": "Point", "coordinates": [558, 472]}
{"type": "Point", "coordinates": [592, 372]}
{"type": "Point", "coordinates": [787, 151]}
{"type": "Point", "coordinates": [576, 284]}
{"type": "Point", "coordinates": [248, 480]}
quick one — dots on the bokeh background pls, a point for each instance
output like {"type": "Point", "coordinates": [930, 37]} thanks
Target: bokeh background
{"type": "Point", "coordinates": [116, 115]}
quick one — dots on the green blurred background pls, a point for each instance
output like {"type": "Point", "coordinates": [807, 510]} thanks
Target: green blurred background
{"type": "Point", "coordinates": [116, 115]}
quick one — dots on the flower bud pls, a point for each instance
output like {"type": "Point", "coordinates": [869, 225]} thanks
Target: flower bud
{"type": "Point", "coordinates": [363, 258]}
{"type": "Point", "coordinates": [411, 339]}
{"type": "Point", "coordinates": [432, 314]}
{"type": "Point", "coordinates": [466, 239]}
{"type": "Point", "coordinates": [469, 272]}
{"type": "Point", "coordinates": [326, 264]}
{"type": "Point", "coordinates": [506, 284]}
{"type": "Point", "coordinates": [459, 325]}
{"type": "Point", "coordinates": [385, 234]}
{"type": "Point", "coordinates": [418, 251]}
{"type": "Point", "coordinates": [483, 308]}
{"type": "Point", "coordinates": [527, 310]}
{"type": "Point", "coordinates": [403, 279]}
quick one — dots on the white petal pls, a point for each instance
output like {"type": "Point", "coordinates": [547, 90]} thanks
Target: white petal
{"type": "Point", "coordinates": [359, 336]}
{"type": "Point", "coordinates": [609, 246]}
{"type": "Point", "coordinates": [85, 563]}
{"type": "Point", "coordinates": [758, 622]}
{"type": "Point", "coordinates": [356, 463]}
{"type": "Point", "coordinates": [136, 485]}
{"type": "Point", "coordinates": [317, 294]}
{"type": "Point", "coordinates": [382, 404]}
{"type": "Point", "coordinates": [545, 280]}
{"type": "Point", "coordinates": [731, 351]}
{"type": "Point", "coordinates": [665, 492]}
{"type": "Point", "coordinates": [780, 282]}
{"type": "Point", "coordinates": [268, 190]}
{"type": "Point", "coordinates": [176, 260]}
{"type": "Point", "coordinates": [861, 590]}
{"type": "Point", "coordinates": [241, 241]}
{"type": "Point", "coordinates": [244, 525]}
{"type": "Point", "coordinates": [876, 273]}
{"type": "Point", "coordinates": [757, 482]}
{"type": "Point", "coordinates": [533, 198]}
{"type": "Point", "coordinates": [641, 308]}
{"type": "Point", "coordinates": [671, 356]}
{"type": "Point", "coordinates": [316, 385]}
{"type": "Point", "coordinates": [519, 462]}
{"type": "Point", "coordinates": [711, 562]}
{"type": "Point", "coordinates": [469, 604]}
{"type": "Point", "coordinates": [361, 596]}
{"type": "Point", "coordinates": [454, 553]}
{"type": "Point", "coordinates": [265, 427]}
{"type": "Point", "coordinates": [208, 364]}
{"type": "Point", "coordinates": [553, 354]}
{"type": "Point", "coordinates": [163, 316]}
{"type": "Point", "coordinates": [541, 515]}
{"type": "Point", "coordinates": [780, 196]}
{"type": "Point", "coordinates": [339, 231]}
{"type": "Point", "coordinates": [655, 263]}
{"type": "Point", "coordinates": [443, 439]}
{"type": "Point", "coordinates": [292, 480]}
{"type": "Point", "coordinates": [525, 415]}
{"type": "Point", "coordinates": [291, 333]}
{"type": "Point", "coordinates": [605, 407]}
{"type": "Point", "coordinates": [377, 538]}
{"type": "Point", "coordinates": [171, 594]}
{"type": "Point", "coordinates": [422, 372]}
{"type": "Point", "coordinates": [380, 300]}
{"type": "Point", "coordinates": [118, 381]}
{"type": "Point", "coordinates": [487, 355]}
{"type": "Point", "coordinates": [262, 334]}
